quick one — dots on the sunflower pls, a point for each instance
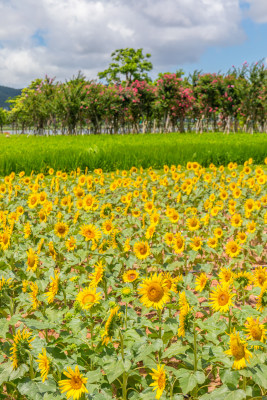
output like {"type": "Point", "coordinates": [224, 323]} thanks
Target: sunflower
{"type": "Point", "coordinates": [178, 243]}
{"type": "Point", "coordinates": [238, 349]}
{"type": "Point", "coordinates": [61, 229]}
{"type": "Point", "coordinates": [88, 298]}
{"type": "Point", "coordinates": [53, 288]}
{"type": "Point", "coordinates": [193, 224]}
{"type": "Point", "coordinates": [110, 325]}
{"type": "Point", "coordinates": [260, 276]}
{"type": "Point", "coordinates": [196, 243]}
{"type": "Point", "coordinates": [141, 250]}
{"type": "Point", "coordinates": [251, 227]}
{"type": "Point", "coordinates": [150, 231]}
{"type": "Point", "coordinates": [262, 299]}
{"type": "Point", "coordinates": [97, 276]}
{"type": "Point", "coordinates": [244, 278]}
{"type": "Point", "coordinates": [5, 283]}
{"type": "Point", "coordinates": [127, 246]}
{"type": "Point", "coordinates": [74, 385]}
{"type": "Point", "coordinates": [33, 295]}
{"type": "Point", "coordinates": [130, 276]}
{"type": "Point", "coordinates": [107, 227]}
{"type": "Point", "coordinates": [159, 378]}
{"type": "Point", "coordinates": [106, 210]}
{"type": "Point", "coordinates": [44, 364]}
{"type": "Point", "coordinates": [22, 343]}
{"type": "Point", "coordinates": [90, 232]}
{"type": "Point", "coordinates": [33, 200]}
{"type": "Point", "coordinates": [221, 298]}
{"type": "Point", "coordinates": [255, 330]}
{"type": "Point", "coordinates": [32, 260]}
{"type": "Point", "coordinates": [184, 314]}
{"type": "Point", "coordinates": [5, 239]}
{"type": "Point", "coordinates": [201, 282]}
{"type": "Point", "coordinates": [236, 220]}
{"type": "Point", "coordinates": [218, 232]}
{"type": "Point", "coordinates": [232, 249]}
{"type": "Point", "coordinates": [172, 282]}
{"type": "Point", "coordinates": [89, 203]}
{"type": "Point", "coordinates": [154, 291]}
{"type": "Point", "coordinates": [52, 250]}
{"type": "Point", "coordinates": [212, 242]}
{"type": "Point", "coordinates": [241, 237]}
{"type": "Point", "coordinates": [168, 238]}
{"type": "Point", "coordinates": [226, 276]}
{"type": "Point", "coordinates": [71, 243]}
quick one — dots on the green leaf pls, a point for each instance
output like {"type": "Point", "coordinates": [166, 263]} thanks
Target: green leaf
{"type": "Point", "coordinates": [229, 377]}
{"type": "Point", "coordinates": [174, 350]}
{"type": "Point", "coordinates": [19, 372]}
{"type": "Point", "coordinates": [94, 376]}
{"type": "Point", "coordinates": [114, 370]}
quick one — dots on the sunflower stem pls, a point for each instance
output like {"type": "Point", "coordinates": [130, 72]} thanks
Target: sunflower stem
{"type": "Point", "coordinates": [195, 347]}
{"type": "Point", "coordinates": [229, 320]}
{"type": "Point", "coordinates": [244, 383]}
{"type": "Point", "coordinates": [160, 330]}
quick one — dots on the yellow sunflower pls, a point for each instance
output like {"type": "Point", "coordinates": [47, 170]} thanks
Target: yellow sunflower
{"type": "Point", "coordinates": [88, 298]}
{"type": "Point", "coordinates": [184, 314]}
{"type": "Point", "coordinates": [32, 260]}
{"type": "Point", "coordinates": [110, 325]}
{"type": "Point", "coordinates": [232, 249]}
{"type": "Point", "coordinates": [262, 299]}
{"type": "Point", "coordinates": [226, 276]}
{"type": "Point", "coordinates": [221, 298]}
{"type": "Point", "coordinates": [130, 276]}
{"type": "Point", "coordinates": [44, 364]}
{"type": "Point", "coordinates": [71, 243]}
{"type": "Point", "coordinates": [238, 349]}
{"type": "Point", "coordinates": [141, 250]}
{"type": "Point", "coordinates": [196, 243]}
{"type": "Point", "coordinates": [255, 330]}
{"type": "Point", "coordinates": [178, 243]}
{"type": "Point", "coordinates": [22, 344]}
{"type": "Point", "coordinates": [107, 227]}
{"type": "Point", "coordinates": [260, 276]}
{"type": "Point", "coordinates": [154, 291]}
{"type": "Point", "coordinates": [244, 278]}
{"type": "Point", "coordinates": [53, 288]}
{"type": "Point", "coordinates": [97, 276]}
{"type": "Point", "coordinates": [193, 224]}
{"type": "Point", "coordinates": [159, 380]}
{"type": "Point", "coordinates": [74, 385]}
{"type": "Point", "coordinates": [201, 282]}
{"type": "Point", "coordinates": [90, 232]}
{"type": "Point", "coordinates": [61, 229]}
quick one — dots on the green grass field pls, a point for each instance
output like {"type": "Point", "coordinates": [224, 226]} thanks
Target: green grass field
{"type": "Point", "coordinates": [29, 153]}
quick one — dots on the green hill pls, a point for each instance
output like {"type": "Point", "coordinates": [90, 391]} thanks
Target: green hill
{"type": "Point", "coordinates": [5, 93]}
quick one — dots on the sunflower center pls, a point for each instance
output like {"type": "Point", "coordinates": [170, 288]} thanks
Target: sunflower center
{"type": "Point", "coordinates": [179, 243]}
{"type": "Point", "coordinates": [261, 279]}
{"type": "Point", "coordinates": [131, 277]}
{"type": "Point", "coordinates": [142, 249]}
{"type": "Point", "coordinates": [256, 332]}
{"type": "Point", "coordinates": [161, 381]}
{"type": "Point", "coordinates": [76, 382]}
{"type": "Point", "coordinates": [61, 229]}
{"type": "Point", "coordinates": [233, 248]}
{"type": "Point", "coordinates": [223, 299]}
{"type": "Point", "coordinates": [238, 351]}
{"type": "Point", "coordinates": [155, 292]}
{"type": "Point", "coordinates": [31, 261]}
{"type": "Point", "coordinates": [88, 298]}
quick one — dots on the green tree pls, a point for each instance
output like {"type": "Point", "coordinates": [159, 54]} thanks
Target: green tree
{"type": "Point", "coordinates": [3, 118]}
{"type": "Point", "coordinates": [127, 63]}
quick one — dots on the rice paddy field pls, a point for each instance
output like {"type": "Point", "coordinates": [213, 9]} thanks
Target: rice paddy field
{"type": "Point", "coordinates": [134, 283]}
{"type": "Point", "coordinates": [111, 152]}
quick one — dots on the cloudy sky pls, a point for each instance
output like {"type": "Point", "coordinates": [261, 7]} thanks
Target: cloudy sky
{"type": "Point", "coordinates": [61, 37]}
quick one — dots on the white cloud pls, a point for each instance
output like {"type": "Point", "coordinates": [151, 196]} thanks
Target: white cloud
{"type": "Point", "coordinates": [81, 34]}
{"type": "Point", "coordinates": [257, 10]}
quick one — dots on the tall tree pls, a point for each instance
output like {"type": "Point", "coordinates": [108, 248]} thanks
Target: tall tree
{"type": "Point", "coordinates": [127, 65]}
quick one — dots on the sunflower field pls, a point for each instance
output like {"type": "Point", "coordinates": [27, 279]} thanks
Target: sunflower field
{"type": "Point", "coordinates": [134, 284]}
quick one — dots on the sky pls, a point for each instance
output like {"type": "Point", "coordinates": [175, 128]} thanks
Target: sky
{"type": "Point", "coordinates": [58, 38]}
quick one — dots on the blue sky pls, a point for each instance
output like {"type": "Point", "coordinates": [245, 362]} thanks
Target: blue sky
{"type": "Point", "coordinates": [58, 38]}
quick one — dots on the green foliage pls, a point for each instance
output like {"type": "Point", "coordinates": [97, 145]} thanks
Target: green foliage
{"type": "Point", "coordinates": [129, 63]}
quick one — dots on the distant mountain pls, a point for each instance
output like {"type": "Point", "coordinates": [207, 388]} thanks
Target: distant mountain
{"type": "Point", "coordinates": [5, 93]}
